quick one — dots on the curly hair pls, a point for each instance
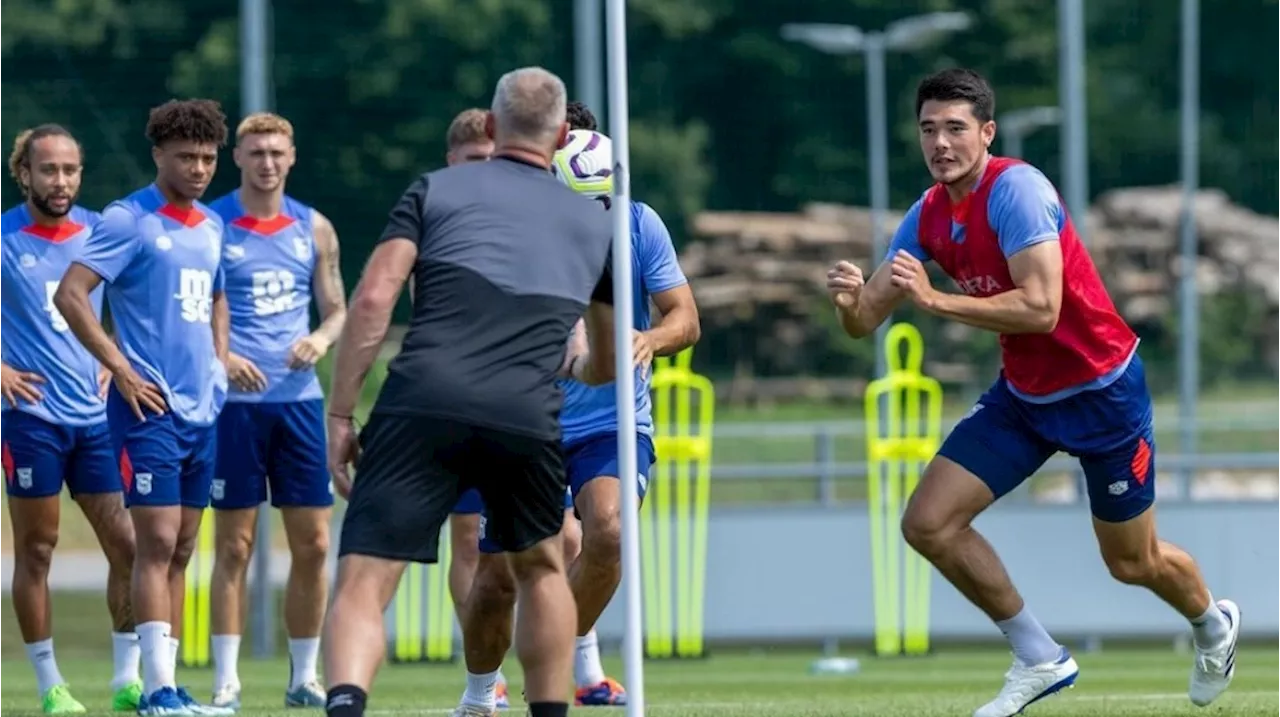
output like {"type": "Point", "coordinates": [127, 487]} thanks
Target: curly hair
{"type": "Point", "coordinates": [579, 117]}
{"type": "Point", "coordinates": [199, 121]}
{"type": "Point", "coordinates": [21, 155]}
{"type": "Point", "coordinates": [959, 84]}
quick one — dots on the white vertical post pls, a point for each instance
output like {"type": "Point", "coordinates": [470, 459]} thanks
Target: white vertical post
{"type": "Point", "coordinates": [632, 644]}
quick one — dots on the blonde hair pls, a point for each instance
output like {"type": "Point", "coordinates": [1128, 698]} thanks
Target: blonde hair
{"type": "Point", "coordinates": [264, 123]}
{"type": "Point", "coordinates": [466, 128]}
{"type": "Point", "coordinates": [21, 155]}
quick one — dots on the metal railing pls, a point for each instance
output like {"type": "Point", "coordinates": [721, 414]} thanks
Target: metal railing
{"type": "Point", "coordinates": [828, 470]}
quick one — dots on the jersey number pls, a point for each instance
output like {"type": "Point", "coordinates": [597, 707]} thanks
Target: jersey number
{"type": "Point", "coordinates": [55, 318]}
{"type": "Point", "coordinates": [195, 292]}
{"type": "Point", "coordinates": [273, 292]}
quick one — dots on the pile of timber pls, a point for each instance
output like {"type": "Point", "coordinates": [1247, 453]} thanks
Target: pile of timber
{"type": "Point", "coordinates": [767, 271]}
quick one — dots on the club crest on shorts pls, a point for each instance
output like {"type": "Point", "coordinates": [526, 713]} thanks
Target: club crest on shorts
{"type": "Point", "coordinates": [24, 478]}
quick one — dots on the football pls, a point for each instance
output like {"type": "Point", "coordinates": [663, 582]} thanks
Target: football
{"type": "Point", "coordinates": [585, 163]}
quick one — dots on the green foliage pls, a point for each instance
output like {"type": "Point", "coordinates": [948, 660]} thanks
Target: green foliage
{"type": "Point", "coordinates": [725, 114]}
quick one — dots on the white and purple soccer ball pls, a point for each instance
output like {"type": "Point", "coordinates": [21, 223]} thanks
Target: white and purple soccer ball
{"type": "Point", "coordinates": [585, 163]}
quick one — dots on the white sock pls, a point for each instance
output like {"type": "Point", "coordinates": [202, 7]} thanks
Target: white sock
{"type": "Point", "coordinates": [174, 648]}
{"type": "Point", "coordinates": [304, 653]}
{"type": "Point", "coordinates": [587, 670]}
{"type": "Point", "coordinates": [157, 656]}
{"type": "Point", "coordinates": [502, 679]}
{"type": "Point", "coordinates": [1031, 644]}
{"type": "Point", "coordinates": [1211, 628]}
{"type": "Point", "coordinates": [481, 690]}
{"type": "Point", "coordinates": [125, 656]}
{"type": "Point", "coordinates": [226, 656]}
{"type": "Point", "coordinates": [42, 659]}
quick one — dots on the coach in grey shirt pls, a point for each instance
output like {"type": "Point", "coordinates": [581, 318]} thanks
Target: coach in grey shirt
{"type": "Point", "coordinates": [504, 260]}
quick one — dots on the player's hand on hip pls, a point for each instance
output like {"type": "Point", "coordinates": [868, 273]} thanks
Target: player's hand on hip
{"type": "Point", "coordinates": [244, 374]}
{"type": "Point", "coordinates": [139, 393]}
{"type": "Point", "coordinates": [344, 452]}
{"type": "Point", "coordinates": [641, 351]}
{"type": "Point", "coordinates": [20, 385]}
{"type": "Point", "coordinates": [307, 352]}
{"type": "Point", "coordinates": [844, 283]}
{"type": "Point", "coordinates": [104, 382]}
{"type": "Point", "coordinates": [909, 275]}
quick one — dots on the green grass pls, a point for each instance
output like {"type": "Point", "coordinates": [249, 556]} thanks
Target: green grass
{"type": "Point", "coordinates": [1124, 683]}
{"type": "Point", "coordinates": [1120, 682]}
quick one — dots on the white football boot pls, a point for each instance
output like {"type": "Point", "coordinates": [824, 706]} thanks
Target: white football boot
{"type": "Point", "coordinates": [1025, 684]}
{"type": "Point", "coordinates": [1214, 667]}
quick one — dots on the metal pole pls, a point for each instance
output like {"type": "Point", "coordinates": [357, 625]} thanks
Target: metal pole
{"type": "Point", "coordinates": [1189, 298]}
{"type": "Point", "coordinates": [588, 50]}
{"type": "Point", "coordinates": [254, 89]}
{"type": "Point", "coordinates": [625, 385]}
{"type": "Point", "coordinates": [878, 136]}
{"type": "Point", "coordinates": [1075, 142]}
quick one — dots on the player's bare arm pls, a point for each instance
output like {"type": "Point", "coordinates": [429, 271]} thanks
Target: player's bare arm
{"type": "Point", "coordinates": [330, 295]}
{"type": "Point", "coordinates": [1031, 307]}
{"type": "Point", "coordinates": [371, 305]}
{"type": "Point", "coordinates": [72, 301]}
{"type": "Point", "coordinates": [221, 324]}
{"type": "Point", "coordinates": [676, 330]}
{"type": "Point", "coordinates": [597, 367]}
{"type": "Point", "coordinates": [575, 347]}
{"type": "Point", "coordinates": [861, 306]}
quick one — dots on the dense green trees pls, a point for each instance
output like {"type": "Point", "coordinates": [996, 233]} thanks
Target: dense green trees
{"type": "Point", "coordinates": [724, 113]}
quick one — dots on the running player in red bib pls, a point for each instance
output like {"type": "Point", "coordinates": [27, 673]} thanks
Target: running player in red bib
{"type": "Point", "coordinates": [1072, 381]}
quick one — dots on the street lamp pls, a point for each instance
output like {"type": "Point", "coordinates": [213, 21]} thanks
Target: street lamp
{"type": "Point", "coordinates": [904, 35]}
{"type": "Point", "coordinates": [1016, 125]}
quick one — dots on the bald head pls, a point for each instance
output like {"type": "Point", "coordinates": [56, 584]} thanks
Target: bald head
{"type": "Point", "coordinates": [529, 110]}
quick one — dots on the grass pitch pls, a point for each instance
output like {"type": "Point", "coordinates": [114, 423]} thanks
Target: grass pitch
{"type": "Point", "coordinates": [1113, 683]}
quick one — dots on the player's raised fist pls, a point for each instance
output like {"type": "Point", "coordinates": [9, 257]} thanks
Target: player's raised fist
{"type": "Point", "coordinates": [844, 283]}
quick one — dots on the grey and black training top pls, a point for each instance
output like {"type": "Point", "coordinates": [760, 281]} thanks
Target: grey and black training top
{"type": "Point", "coordinates": [508, 259]}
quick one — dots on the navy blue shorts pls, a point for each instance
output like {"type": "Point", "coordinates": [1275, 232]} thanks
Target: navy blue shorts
{"type": "Point", "coordinates": [39, 457]}
{"type": "Point", "coordinates": [586, 460]}
{"type": "Point", "coordinates": [164, 460]}
{"type": "Point", "coordinates": [1005, 439]}
{"type": "Point", "coordinates": [275, 448]}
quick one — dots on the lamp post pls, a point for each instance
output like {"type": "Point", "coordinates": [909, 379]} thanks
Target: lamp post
{"type": "Point", "coordinates": [904, 35]}
{"type": "Point", "coordinates": [1017, 125]}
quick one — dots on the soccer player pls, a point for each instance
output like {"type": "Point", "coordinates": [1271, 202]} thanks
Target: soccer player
{"type": "Point", "coordinates": [466, 140]}
{"type": "Point", "coordinates": [277, 253]}
{"type": "Point", "coordinates": [1072, 381]}
{"type": "Point", "coordinates": [505, 260]}
{"type": "Point", "coordinates": [159, 251]}
{"type": "Point", "coordinates": [55, 423]}
{"type": "Point", "coordinates": [590, 441]}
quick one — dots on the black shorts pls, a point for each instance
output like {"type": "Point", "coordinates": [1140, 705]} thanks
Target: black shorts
{"type": "Point", "coordinates": [412, 470]}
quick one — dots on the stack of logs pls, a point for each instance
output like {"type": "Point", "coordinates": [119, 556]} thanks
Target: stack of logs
{"type": "Point", "coordinates": [748, 267]}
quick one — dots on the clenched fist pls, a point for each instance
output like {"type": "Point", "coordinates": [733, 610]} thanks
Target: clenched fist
{"type": "Point", "coordinates": [844, 283]}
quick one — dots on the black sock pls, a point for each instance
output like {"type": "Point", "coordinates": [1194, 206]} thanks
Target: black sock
{"type": "Point", "coordinates": [548, 709]}
{"type": "Point", "coordinates": [345, 701]}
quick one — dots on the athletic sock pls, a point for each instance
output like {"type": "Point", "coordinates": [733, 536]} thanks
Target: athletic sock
{"type": "Point", "coordinates": [587, 670]}
{"type": "Point", "coordinates": [1211, 628]}
{"type": "Point", "coordinates": [125, 656]}
{"type": "Point", "coordinates": [174, 648]}
{"type": "Point", "coordinates": [157, 656]}
{"type": "Point", "coordinates": [481, 689]}
{"type": "Point", "coordinates": [304, 653]}
{"type": "Point", "coordinates": [46, 666]}
{"type": "Point", "coordinates": [549, 709]}
{"type": "Point", "coordinates": [1031, 644]}
{"type": "Point", "coordinates": [226, 659]}
{"type": "Point", "coordinates": [345, 701]}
